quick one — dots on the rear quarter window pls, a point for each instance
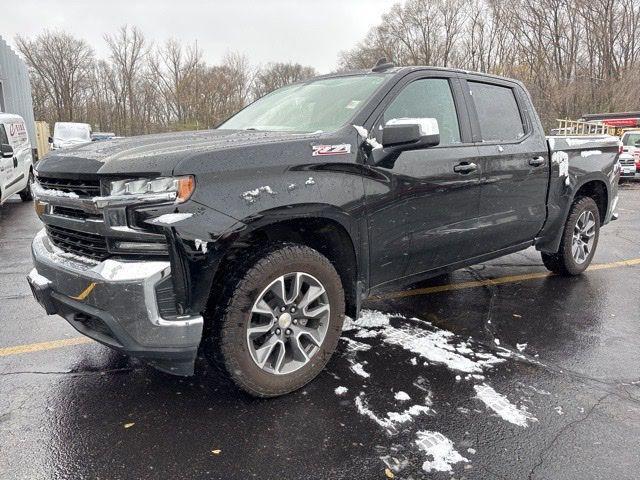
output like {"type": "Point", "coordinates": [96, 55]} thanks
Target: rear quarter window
{"type": "Point", "coordinates": [498, 112]}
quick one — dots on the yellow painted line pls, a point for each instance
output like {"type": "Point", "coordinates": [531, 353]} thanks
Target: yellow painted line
{"type": "Point", "coordinates": [39, 347]}
{"type": "Point", "coordinates": [85, 293]}
{"type": "Point", "coordinates": [498, 281]}
{"type": "Point", "coordinates": [69, 342]}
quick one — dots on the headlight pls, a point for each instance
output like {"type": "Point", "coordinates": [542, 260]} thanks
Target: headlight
{"type": "Point", "coordinates": [182, 187]}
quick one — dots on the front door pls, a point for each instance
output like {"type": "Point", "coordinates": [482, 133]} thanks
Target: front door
{"type": "Point", "coordinates": [423, 210]}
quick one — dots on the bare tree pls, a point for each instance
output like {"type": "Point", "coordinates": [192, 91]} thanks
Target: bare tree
{"type": "Point", "coordinates": [128, 52]}
{"type": "Point", "coordinates": [61, 68]}
{"type": "Point", "coordinates": [575, 56]}
{"type": "Point", "coordinates": [276, 75]}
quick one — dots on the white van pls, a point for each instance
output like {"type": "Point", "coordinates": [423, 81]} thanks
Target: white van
{"type": "Point", "coordinates": [70, 134]}
{"type": "Point", "coordinates": [16, 161]}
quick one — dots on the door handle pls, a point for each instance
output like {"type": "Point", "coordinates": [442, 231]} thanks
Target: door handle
{"type": "Point", "coordinates": [465, 168]}
{"type": "Point", "coordinates": [536, 162]}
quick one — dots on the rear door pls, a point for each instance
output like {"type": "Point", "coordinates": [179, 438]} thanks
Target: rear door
{"type": "Point", "coordinates": [422, 211]}
{"type": "Point", "coordinates": [513, 155]}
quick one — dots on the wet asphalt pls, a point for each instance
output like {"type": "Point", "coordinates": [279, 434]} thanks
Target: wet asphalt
{"type": "Point", "coordinates": [85, 412]}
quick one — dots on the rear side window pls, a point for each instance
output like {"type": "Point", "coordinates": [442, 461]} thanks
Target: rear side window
{"type": "Point", "coordinates": [498, 112]}
{"type": "Point", "coordinates": [428, 98]}
{"type": "Point", "coordinates": [3, 135]}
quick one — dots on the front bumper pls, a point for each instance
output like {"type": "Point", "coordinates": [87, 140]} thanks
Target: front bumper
{"type": "Point", "coordinates": [114, 302]}
{"type": "Point", "coordinates": [628, 172]}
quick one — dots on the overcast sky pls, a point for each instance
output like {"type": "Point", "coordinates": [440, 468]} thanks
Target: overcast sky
{"type": "Point", "coordinates": [310, 32]}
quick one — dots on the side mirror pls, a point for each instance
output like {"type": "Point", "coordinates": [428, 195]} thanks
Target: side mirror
{"type": "Point", "coordinates": [7, 150]}
{"type": "Point", "coordinates": [637, 144]}
{"type": "Point", "coordinates": [50, 140]}
{"type": "Point", "coordinates": [411, 133]}
{"type": "Point", "coordinates": [402, 134]}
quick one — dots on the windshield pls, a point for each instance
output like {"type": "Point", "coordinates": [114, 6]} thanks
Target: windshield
{"type": "Point", "coordinates": [72, 131]}
{"type": "Point", "coordinates": [320, 105]}
{"type": "Point", "coordinates": [630, 139]}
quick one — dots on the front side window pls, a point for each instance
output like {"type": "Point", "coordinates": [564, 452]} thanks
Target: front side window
{"type": "Point", "coordinates": [3, 135]}
{"type": "Point", "coordinates": [428, 98]}
{"type": "Point", "coordinates": [319, 105]}
{"type": "Point", "coordinates": [498, 112]}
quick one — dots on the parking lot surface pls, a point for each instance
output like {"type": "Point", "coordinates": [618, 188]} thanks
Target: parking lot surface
{"type": "Point", "coordinates": [499, 371]}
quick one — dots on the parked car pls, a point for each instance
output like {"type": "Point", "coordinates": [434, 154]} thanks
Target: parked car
{"type": "Point", "coordinates": [70, 134]}
{"type": "Point", "coordinates": [16, 161]}
{"type": "Point", "coordinates": [628, 166]}
{"type": "Point", "coordinates": [100, 136]}
{"type": "Point", "coordinates": [253, 240]}
{"type": "Point", "coordinates": [631, 141]}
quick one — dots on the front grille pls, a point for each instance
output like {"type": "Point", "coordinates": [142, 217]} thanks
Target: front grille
{"type": "Point", "coordinates": [73, 213]}
{"type": "Point", "coordinates": [627, 161]}
{"type": "Point", "coordinates": [82, 188]}
{"type": "Point", "coordinates": [78, 243]}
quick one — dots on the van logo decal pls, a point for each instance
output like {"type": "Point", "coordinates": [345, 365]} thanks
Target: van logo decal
{"type": "Point", "coordinates": [320, 150]}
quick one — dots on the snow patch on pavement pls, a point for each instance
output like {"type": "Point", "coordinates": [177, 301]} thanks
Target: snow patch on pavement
{"type": "Point", "coordinates": [358, 369]}
{"type": "Point", "coordinates": [402, 396]}
{"type": "Point", "coordinates": [393, 419]}
{"type": "Point", "coordinates": [503, 407]}
{"type": "Point", "coordinates": [367, 319]}
{"type": "Point", "coordinates": [434, 345]}
{"type": "Point", "coordinates": [341, 390]}
{"type": "Point", "coordinates": [440, 449]}
{"type": "Point", "coordinates": [439, 347]}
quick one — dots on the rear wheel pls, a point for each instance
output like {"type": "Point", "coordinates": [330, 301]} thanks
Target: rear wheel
{"type": "Point", "coordinates": [26, 195]}
{"type": "Point", "coordinates": [280, 321]}
{"type": "Point", "coordinates": [579, 239]}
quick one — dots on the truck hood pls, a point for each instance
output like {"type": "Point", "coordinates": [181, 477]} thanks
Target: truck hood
{"type": "Point", "coordinates": [157, 154]}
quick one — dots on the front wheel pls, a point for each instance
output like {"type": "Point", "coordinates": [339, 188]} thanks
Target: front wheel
{"type": "Point", "coordinates": [280, 321]}
{"type": "Point", "coordinates": [579, 240]}
{"type": "Point", "coordinates": [26, 195]}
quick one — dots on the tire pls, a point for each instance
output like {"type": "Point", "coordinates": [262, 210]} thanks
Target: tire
{"type": "Point", "coordinates": [26, 194]}
{"type": "Point", "coordinates": [566, 261]}
{"type": "Point", "coordinates": [238, 355]}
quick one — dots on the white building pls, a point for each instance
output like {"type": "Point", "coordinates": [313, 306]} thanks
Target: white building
{"type": "Point", "coordinates": [15, 88]}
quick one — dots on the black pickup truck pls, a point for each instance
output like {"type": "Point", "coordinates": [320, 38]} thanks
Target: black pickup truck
{"type": "Point", "coordinates": [250, 242]}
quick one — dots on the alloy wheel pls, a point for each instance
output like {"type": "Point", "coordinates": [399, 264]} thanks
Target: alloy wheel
{"type": "Point", "coordinates": [584, 233]}
{"type": "Point", "coordinates": [288, 323]}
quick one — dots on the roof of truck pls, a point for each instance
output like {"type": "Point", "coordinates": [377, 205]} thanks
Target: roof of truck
{"type": "Point", "coordinates": [401, 71]}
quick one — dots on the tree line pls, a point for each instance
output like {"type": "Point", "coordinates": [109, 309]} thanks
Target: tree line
{"type": "Point", "coordinates": [143, 88]}
{"type": "Point", "coordinates": [575, 56]}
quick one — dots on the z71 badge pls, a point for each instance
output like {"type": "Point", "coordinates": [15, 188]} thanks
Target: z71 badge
{"type": "Point", "coordinates": [320, 150]}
